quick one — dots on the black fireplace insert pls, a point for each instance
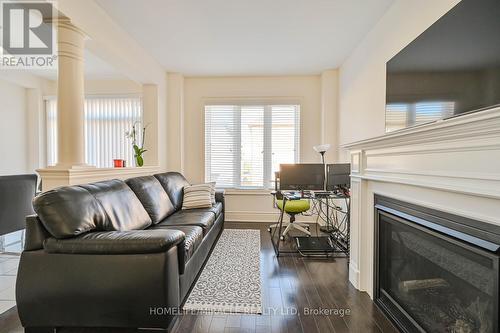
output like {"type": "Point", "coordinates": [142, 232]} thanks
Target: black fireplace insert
{"type": "Point", "coordinates": [435, 271]}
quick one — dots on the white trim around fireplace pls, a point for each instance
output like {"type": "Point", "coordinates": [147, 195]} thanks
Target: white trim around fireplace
{"type": "Point", "coordinates": [451, 165]}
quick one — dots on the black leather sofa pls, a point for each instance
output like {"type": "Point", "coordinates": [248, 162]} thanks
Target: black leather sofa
{"type": "Point", "coordinates": [113, 254]}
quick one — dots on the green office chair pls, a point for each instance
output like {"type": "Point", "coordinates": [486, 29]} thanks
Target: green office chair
{"type": "Point", "coordinates": [292, 208]}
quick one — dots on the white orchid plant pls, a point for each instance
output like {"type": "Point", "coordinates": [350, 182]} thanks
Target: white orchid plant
{"type": "Point", "coordinates": [138, 149]}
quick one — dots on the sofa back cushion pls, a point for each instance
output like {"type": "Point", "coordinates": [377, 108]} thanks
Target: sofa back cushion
{"type": "Point", "coordinates": [152, 196]}
{"type": "Point", "coordinates": [173, 183]}
{"type": "Point", "coordinates": [123, 209]}
{"type": "Point", "coordinates": [69, 211]}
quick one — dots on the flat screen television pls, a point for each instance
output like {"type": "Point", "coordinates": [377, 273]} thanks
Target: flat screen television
{"type": "Point", "coordinates": [452, 68]}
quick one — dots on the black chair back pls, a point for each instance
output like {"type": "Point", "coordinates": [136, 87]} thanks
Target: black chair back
{"type": "Point", "coordinates": [16, 195]}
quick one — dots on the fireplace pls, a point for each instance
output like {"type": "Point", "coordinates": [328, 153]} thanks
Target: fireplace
{"type": "Point", "coordinates": [434, 271]}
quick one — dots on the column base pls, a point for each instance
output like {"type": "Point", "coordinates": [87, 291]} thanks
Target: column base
{"type": "Point", "coordinates": [57, 176]}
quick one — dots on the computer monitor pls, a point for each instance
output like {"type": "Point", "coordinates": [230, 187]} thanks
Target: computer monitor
{"type": "Point", "coordinates": [296, 177]}
{"type": "Point", "coordinates": [338, 176]}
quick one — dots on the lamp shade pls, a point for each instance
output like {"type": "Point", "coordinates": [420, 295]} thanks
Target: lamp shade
{"type": "Point", "coordinates": [322, 148]}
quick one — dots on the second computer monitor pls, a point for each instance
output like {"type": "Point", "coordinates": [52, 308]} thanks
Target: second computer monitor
{"type": "Point", "coordinates": [296, 177]}
{"type": "Point", "coordinates": [338, 175]}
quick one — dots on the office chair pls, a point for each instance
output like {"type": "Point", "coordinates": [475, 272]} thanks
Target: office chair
{"type": "Point", "coordinates": [292, 208]}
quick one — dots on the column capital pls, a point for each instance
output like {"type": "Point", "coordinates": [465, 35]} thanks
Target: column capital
{"type": "Point", "coordinates": [70, 39]}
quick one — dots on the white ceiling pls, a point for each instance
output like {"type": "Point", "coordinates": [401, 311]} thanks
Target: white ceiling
{"type": "Point", "coordinates": [247, 37]}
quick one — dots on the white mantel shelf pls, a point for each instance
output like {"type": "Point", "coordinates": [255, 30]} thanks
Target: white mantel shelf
{"type": "Point", "coordinates": [479, 124]}
{"type": "Point", "coordinates": [451, 165]}
{"type": "Point", "coordinates": [53, 177]}
{"type": "Point", "coordinates": [460, 154]}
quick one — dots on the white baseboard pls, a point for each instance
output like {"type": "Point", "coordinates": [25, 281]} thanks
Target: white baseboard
{"type": "Point", "coordinates": [262, 217]}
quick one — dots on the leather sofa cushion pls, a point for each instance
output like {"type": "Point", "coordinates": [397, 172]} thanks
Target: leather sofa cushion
{"type": "Point", "coordinates": [194, 237]}
{"type": "Point", "coordinates": [69, 211]}
{"type": "Point", "coordinates": [205, 220]}
{"type": "Point", "coordinates": [123, 209]}
{"type": "Point", "coordinates": [117, 242]}
{"type": "Point", "coordinates": [173, 183]}
{"type": "Point", "coordinates": [216, 209]}
{"type": "Point", "coordinates": [152, 196]}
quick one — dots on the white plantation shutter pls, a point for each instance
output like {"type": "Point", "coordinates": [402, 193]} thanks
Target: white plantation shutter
{"type": "Point", "coordinates": [252, 146]}
{"type": "Point", "coordinates": [106, 120]}
{"type": "Point", "coordinates": [244, 144]}
{"type": "Point", "coordinates": [221, 145]}
{"type": "Point", "coordinates": [285, 136]}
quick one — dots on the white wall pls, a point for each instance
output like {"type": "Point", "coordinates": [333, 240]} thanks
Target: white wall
{"type": "Point", "coordinates": [362, 75]}
{"type": "Point", "coordinates": [248, 205]}
{"type": "Point", "coordinates": [35, 88]}
{"type": "Point", "coordinates": [197, 91]}
{"type": "Point", "coordinates": [13, 129]}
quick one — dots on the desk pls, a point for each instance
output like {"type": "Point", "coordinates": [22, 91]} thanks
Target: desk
{"type": "Point", "coordinates": [336, 218]}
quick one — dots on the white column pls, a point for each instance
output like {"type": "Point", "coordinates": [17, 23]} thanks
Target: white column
{"type": "Point", "coordinates": [70, 96]}
{"type": "Point", "coordinates": [329, 113]}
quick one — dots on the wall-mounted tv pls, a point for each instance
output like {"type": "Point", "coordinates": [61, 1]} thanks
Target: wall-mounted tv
{"type": "Point", "coordinates": [450, 69]}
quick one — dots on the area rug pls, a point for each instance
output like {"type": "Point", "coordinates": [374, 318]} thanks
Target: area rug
{"type": "Point", "coordinates": [230, 281]}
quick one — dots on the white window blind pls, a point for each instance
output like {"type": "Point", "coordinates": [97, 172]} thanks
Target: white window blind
{"type": "Point", "coordinates": [106, 121]}
{"type": "Point", "coordinates": [245, 144]}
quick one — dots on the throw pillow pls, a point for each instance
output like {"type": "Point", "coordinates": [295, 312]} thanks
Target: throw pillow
{"type": "Point", "coordinates": [212, 192]}
{"type": "Point", "coordinates": [197, 196]}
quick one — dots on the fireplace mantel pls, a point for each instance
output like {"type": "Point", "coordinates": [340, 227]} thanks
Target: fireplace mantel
{"type": "Point", "coordinates": [452, 165]}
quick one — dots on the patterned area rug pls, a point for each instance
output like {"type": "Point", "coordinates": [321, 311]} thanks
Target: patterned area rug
{"type": "Point", "coordinates": [230, 281]}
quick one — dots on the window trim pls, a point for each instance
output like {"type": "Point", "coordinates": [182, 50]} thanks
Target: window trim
{"type": "Point", "coordinates": [266, 102]}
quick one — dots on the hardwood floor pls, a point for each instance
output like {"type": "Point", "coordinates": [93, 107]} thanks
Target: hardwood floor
{"type": "Point", "coordinates": [294, 289]}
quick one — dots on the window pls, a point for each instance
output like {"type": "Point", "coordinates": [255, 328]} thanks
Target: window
{"type": "Point", "coordinates": [106, 120]}
{"type": "Point", "coordinates": [245, 144]}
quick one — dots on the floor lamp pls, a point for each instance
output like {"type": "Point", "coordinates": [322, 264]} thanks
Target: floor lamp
{"type": "Point", "coordinates": [322, 149]}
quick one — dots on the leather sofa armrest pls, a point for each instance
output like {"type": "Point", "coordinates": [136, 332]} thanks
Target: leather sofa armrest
{"type": "Point", "coordinates": [35, 235]}
{"type": "Point", "coordinates": [219, 196]}
{"type": "Point", "coordinates": [117, 242]}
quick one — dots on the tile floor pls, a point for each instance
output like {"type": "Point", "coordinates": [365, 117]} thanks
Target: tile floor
{"type": "Point", "coordinates": [8, 270]}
